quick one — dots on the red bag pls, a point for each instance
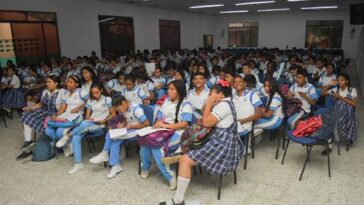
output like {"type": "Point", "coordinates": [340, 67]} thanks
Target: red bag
{"type": "Point", "coordinates": [307, 127]}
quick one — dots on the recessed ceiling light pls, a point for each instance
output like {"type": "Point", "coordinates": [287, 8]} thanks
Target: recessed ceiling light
{"type": "Point", "coordinates": [319, 7]}
{"type": "Point", "coordinates": [234, 12]}
{"type": "Point", "coordinates": [267, 10]}
{"type": "Point", "coordinates": [254, 2]}
{"type": "Point", "coordinates": [206, 6]}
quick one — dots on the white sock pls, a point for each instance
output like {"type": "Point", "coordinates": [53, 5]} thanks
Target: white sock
{"type": "Point", "coordinates": [182, 184]}
{"type": "Point", "coordinates": [28, 133]}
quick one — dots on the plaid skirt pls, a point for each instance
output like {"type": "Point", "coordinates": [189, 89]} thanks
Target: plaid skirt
{"type": "Point", "coordinates": [222, 153]}
{"type": "Point", "coordinates": [13, 98]}
{"type": "Point", "coordinates": [35, 119]}
{"type": "Point", "coordinates": [347, 125]}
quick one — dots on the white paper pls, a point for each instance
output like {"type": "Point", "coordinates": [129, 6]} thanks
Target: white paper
{"type": "Point", "coordinates": [150, 68]}
{"type": "Point", "coordinates": [118, 133]}
{"type": "Point", "coordinates": [148, 130]}
{"type": "Point", "coordinates": [69, 116]}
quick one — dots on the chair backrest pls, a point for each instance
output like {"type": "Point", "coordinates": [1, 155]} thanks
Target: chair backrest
{"type": "Point", "coordinates": [148, 111]}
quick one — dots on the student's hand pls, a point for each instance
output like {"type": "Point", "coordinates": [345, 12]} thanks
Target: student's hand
{"type": "Point", "coordinates": [120, 125]}
{"type": "Point", "coordinates": [146, 102]}
{"type": "Point", "coordinates": [242, 121]}
{"type": "Point", "coordinates": [100, 122]}
{"type": "Point", "coordinates": [74, 111]}
{"type": "Point", "coordinates": [337, 96]}
{"type": "Point", "coordinates": [333, 83]}
{"type": "Point", "coordinates": [26, 109]}
{"type": "Point", "coordinates": [302, 94]}
{"type": "Point", "coordinates": [53, 118]}
{"type": "Point", "coordinates": [212, 99]}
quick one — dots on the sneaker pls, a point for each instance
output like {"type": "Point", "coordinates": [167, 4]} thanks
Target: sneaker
{"type": "Point", "coordinates": [23, 155]}
{"type": "Point", "coordinates": [102, 157]}
{"type": "Point", "coordinates": [144, 174]}
{"type": "Point", "coordinates": [63, 141]}
{"type": "Point", "coordinates": [68, 150]}
{"type": "Point", "coordinates": [27, 144]}
{"type": "Point", "coordinates": [173, 183]}
{"type": "Point", "coordinates": [116, 169]}
{"type": "Point", "coordinates": [77, 167]}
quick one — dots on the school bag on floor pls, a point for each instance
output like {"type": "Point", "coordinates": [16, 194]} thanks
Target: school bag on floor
{"type": "Point", "coordinates": [44, 149]}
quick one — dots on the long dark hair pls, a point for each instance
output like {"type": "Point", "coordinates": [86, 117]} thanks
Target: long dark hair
{"type": "Point", "coordinates": [274, 88]}
{"type": "Point", "coordinates": [92, 72]}
{"type": "Point", "coordinates": [226, 91]}
{"type": "Point", "coordinates": [346, 77]}
{"type": "Point", "coordinates": [181, 90]}
{"type": "Point", "coordinates": [95, 85]}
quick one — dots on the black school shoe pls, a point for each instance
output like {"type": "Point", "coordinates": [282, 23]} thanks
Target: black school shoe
{"type": "Point", "coordinates": [165, 203]}
{"type": "Point", "coordinates": [27, 144]}
{"type": "Point", "coordinates": [23, 155]}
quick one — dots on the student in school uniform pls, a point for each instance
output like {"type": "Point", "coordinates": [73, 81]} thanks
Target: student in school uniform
{"type": "Point", "coordinates": [73, 102]}
{"type": "Point", "coordinates": [346, 98]}
{"type": "Point", "coordinates": [247, 70]}
{"type": "Point", "coordinates": [159, 82]}
{"type": "Point", "coordinates": [115, 85]}
{"type": "Point", "coordinates": [246, 102]}
{"type": "Point", "coordinates": [135, 119]}
{"type": "Point", "coordinates": [272, 109]}
{"type": "Point", "coordinates": [180, 75]}
{"type": "Point", "coordinates": [13, 97]}
{"type": "Point", "coordinates": [214, 77]}
{"type": "Point", "coordinates": [98, 111]}
{"type": "Point", "coordinates": [198, 95]}
{"type": "Point", "coordinates": [170, 71]}
{"type": "Point", "coordinates": [146, 83]}
{"type": "Point", "coordinates": [219, 113]}
{"type": "Point", "coordinates": [33, 116]}
{"type": "Point", "coordinates": [328, 76]}
{"type": "Point", "coordinates": [132, 92]}
{"type": "Point", "coordinates": [321, 70]}
{"type": "Point", "coordinates": [175, 113]}
{"type": "Point", "coordinates": [88, 77]}
{"type": "Point", "coordinates": [305, 92]}
{"type": "Point", "coordinates": [71, 70]}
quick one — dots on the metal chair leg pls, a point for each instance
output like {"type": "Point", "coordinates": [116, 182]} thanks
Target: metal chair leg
{"type": "Point", "coordinates": [338, 148]}
{"type": "Point", "coordinates": [252, 141]}
{"type": "Point", "coordinates": [328, 160]}
{"type": "Point", "coordinates": [219, 187]}
{"type": "Point", "coordinates": [139, 166]}
{"type": "Point", "coordinates": [235, 179]}
{"type": "Point", "coordinates": [194, 171]}
{"type": "Point", "coordinates": [200, 169]}
{"type": "Point", "coordinates": [307, 159]}
{"type": "Point", "coordinates": [246, 152]}
{"type": "Point", "coordinates": [285, 151]}
{"type": "Point", "coordinates": [89, 145]}
{"type": "Point", "coordinates": [278, 145]}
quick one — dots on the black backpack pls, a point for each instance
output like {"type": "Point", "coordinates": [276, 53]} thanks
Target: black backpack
{"type": "Point", "coordinates": [44, 149]}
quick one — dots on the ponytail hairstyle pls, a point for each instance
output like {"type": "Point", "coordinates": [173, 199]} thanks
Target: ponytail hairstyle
{"type": "Point", "coordinates": [54, 78]}
{"type": "Point", "coordinates": [274, 88]}
{"type": "Point", "coordinates": [223, 87]}
{"type": "Point", "coordinates": [181, 90]}
{"type": "Point", "coordinates": [95, 85]}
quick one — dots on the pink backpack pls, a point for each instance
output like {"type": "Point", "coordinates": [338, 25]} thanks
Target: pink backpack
{"type": "Point", "coordinates": [157, 139]}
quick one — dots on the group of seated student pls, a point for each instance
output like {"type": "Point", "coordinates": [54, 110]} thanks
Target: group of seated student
{"type": "Point", "coordinates": [217, 88]}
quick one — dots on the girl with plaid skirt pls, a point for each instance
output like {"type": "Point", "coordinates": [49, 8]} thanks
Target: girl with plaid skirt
{"type": "Point", "coordinates": [71, 111]}
{"type": "Point", "coordinates": [33, 116]}
{"type": "Point", "coordinates": [221, 154]}
{"type": "Point", "coordinates": [13, 97]}
{"type": "Point", "coordinates": [345, 103]}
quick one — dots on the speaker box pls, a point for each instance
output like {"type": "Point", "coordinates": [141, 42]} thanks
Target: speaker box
{"type": "Point", "coordinates": [356, 14]}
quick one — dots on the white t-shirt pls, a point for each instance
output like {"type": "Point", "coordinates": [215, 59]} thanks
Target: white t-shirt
{"type": "Point", "coordinates": [309, 90]}
{"type": "Point", "coordinates": [351, 93]}
{"type": "Point", "coordinates": [136, 95]}
{"type": "Point", "coordinates": [115, 85]}
{"type": "Point", "coordinates": [100, 109]}
{"type": "Point", "coordinates": [77, 98]}
{"type": "Point", "coordinates": [14, 81]}
{"type": "Point", "coordinates": [325, 79]}
{"type": "Point", "coordinates": [198, 101]}
{"type": "Point", "coordinates": [135, 114]}
{"type": "Point", "coordinates": [223, 113]}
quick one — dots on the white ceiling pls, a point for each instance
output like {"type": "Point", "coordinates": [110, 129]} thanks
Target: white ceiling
{"type": "Point", "coordinates": [230, 4]}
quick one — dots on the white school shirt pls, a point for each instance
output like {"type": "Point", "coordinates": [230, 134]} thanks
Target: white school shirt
{"type": "Point", "coordinates": [135, 114]}
{"type": "Point", "coordinates": [167, 113]}
{"type": "Point", "coordinates": [86, 87]}
{"type": "Point", "coordinates": [223, 113]}
{"type": "Point", "coordinates": [197, 101]}
{"type": "Point", "coordinates": [147, 87]}
{"type": "Point", "coordinates": [14, 81]}
{"type": "Point", "coordinates": [160, 80]}
{"type": "Point", "coordinates": [321, 72]}
{"type": "Point", "coordinates": [276, 105]}
{"type": "Point", "coordinates": [116, 69]}
{"type": "Point", "coordinates": [325, 79]}
{"type": "Point", "coordinates": [245, 106]}
{"type": "Point", "coordinates": [136, 95]}
{"type": "Point", "coordinates": [100, 109]}
{"type": "Point", "coordinates": [309, 90]}
{"type": "Point", "coordinates": [350, 93]}
{"type": "Point", "coordinates": [115, 85]}
{"type": "Point", "coordinates": [77, 98]}
{"type": "Point", "coordinates": [311, 69]}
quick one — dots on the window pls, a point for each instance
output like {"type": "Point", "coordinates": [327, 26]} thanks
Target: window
{"type": "Point", "coordinates": [28, 36]}
{"type": "Point", "coordinates": [116, 35]}
{"type": "Point", "coordinates": [324, 34]}
{"type": "Point", "coordinates": [243, 34]}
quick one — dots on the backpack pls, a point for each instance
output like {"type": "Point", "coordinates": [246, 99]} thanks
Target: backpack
{"type": "Point", "coordinates": [157, 139]}
{"type": "Point", "coordinates": [329, 122]}
{"type": "Point", "coordinates": [44, 149]}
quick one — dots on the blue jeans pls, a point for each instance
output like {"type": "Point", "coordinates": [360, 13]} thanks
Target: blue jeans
{"type": "Point", "coordinates": [55, 130]}
{"type": "Point", "coordinates": [146, 154]}
{"type": "Point", "coordinates": [79, 132]}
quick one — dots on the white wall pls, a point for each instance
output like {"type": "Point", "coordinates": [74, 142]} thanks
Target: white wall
{"type": "Point", "coordinates": [79, 30]}
{"type": "Point", "coordinates": [283, 29]}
